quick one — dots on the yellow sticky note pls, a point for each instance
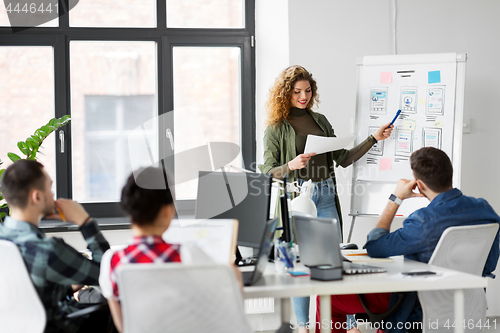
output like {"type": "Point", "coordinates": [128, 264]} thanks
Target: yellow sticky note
{"type": "Point", "coordinates": [201, 234]}
{"type": "Point", "coordinates": [422, 101]}
{"type": "Point", "coordinates": [409, 124]}
{"type": "Point", "coordinates": [438, 124]}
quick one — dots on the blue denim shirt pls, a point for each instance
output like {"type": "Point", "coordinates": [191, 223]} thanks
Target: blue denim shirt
{"type": "Point", "coordinates": [420, 234]}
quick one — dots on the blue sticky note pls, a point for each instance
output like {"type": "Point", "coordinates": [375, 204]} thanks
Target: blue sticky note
{"type": "Point", "coordinates": [435, 77]}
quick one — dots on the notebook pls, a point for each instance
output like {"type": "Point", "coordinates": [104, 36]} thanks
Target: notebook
{"type": "Point", "coordinates": [266, 244]}
{"type": "Point", "coordinates": [319, 245]}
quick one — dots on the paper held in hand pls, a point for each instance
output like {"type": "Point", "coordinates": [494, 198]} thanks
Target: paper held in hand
{"type": "Point", "coordinates": [320, 144]}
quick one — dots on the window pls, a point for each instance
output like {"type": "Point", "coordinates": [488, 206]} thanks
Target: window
{"type": "Point", "coordinates": [108, 123]}
{"type": "Point", "coordinates": [129, 70]}
{"type": "Point", "coordinates": [205, 14]}
{"type": "Point", "coordinates": [26, 71]}
{"type": "Point", "coordinates": [206, 97]}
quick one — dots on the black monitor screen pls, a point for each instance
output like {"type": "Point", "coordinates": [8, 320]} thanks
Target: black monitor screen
{"type": "Point", "coordinates": [245, 197]}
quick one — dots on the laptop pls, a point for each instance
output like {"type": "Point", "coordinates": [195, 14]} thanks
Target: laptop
{"type": "Point", "coordinates": [266, 244]}
{"type": "Point", "coordinates": [319, 244]}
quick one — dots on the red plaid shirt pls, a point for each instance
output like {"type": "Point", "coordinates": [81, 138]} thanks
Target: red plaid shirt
{"type": "Point", "coordinates": [150, 249]}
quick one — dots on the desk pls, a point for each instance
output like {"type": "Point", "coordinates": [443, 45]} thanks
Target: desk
{"type": "Point", "coordinates": [285, 286]}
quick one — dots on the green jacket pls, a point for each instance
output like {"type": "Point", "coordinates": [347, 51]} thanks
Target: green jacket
{"type": "Point", "coordinates": [279, 149]}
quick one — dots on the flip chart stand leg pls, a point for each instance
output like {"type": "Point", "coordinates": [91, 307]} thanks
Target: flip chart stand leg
{"type": "Point", "coordinates": [325, 313]}
{"type": "Point", "coordinates": [350, 229]}
{"type": "Point", "coordinates": [459, 310]}
{"type": "Point", "coordinates": [286, 310]}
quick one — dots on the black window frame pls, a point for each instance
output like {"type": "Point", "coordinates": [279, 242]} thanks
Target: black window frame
{"type": "Point", "coordinates": [166, 38]}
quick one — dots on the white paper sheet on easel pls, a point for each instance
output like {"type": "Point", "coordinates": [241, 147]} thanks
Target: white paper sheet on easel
{"type": "Point", "coordinates": [320, 144]}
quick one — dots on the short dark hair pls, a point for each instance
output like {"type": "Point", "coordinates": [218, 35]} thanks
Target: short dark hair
{"type": "Point", "coordinates": [433, 167]}
{"type": "Point", "coordinates": [19, 179]}
{"type": "Point", "coordinates": [144, 194]}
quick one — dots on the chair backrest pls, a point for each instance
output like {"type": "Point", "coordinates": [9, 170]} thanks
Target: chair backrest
{"type": "Point", "coordinates": [180, 298]}
{"type": "Point", "coordinates": [21, 309]}
{"type": "Point", "coordinates": [462, 249]}
{"type": "Point", "coordinates": [465, 248]}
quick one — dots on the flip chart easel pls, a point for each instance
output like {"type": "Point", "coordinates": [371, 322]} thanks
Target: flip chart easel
{"type": "Point", "coordinates": [429, 90]}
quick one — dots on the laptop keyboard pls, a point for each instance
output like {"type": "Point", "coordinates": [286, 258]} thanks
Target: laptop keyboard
{"type": "Point", "coordinates": [247, 278]}
{"type": "Point", "coordinates": [350, 268]}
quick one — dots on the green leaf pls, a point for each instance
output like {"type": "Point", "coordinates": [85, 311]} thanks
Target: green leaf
{"type": "Point", "coordinates": [52, 122]}
{"type": "Point", "coordinates": [62, 121]}
{"type": "Point", "coordinates": [2, 214]}
{"type": "Point", "coordinates": [23, 147]}
{"type": "Point", "coordinates": [13, 157]}
{"type": "Point", "coordinates": [31, 143]}
{"type": "Point", "coordinates": [1, 172]}
{"type": "Point", "coordinates": [36, 139]}
{"type": "Point", "coordinates": [40, 134]}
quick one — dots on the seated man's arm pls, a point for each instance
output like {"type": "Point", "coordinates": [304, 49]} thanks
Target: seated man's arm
{"type": "Point", "coordinates": [67, 266]}
{"type": "Point", "coordinates": [407, 240]}
{"type": "Point", "coordinates": [381, 243]}
{"type": "Point", "coordinates": [116, 313]}
{"type": "Point", "coordinates": [492, 260]}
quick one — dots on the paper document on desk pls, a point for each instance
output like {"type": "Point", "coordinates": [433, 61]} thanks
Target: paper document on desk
{"type": "Point", "coordinates": [320, 144]}
{"type": "Point", "coordinates": [217, 238]}
{"type": "Point", "coordinates": [362, 256]}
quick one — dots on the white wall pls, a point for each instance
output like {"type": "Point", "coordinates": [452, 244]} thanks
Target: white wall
{"type": "Point", "coordinates": [272, 55]}
{"type": "Point", "coordinates": [326, 37]}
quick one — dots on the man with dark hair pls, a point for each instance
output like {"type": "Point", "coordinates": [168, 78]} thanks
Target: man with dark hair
{"type": "Point", "coordinates": [55, 268]}
{"type": "Point", "coordinates": [421, 231]}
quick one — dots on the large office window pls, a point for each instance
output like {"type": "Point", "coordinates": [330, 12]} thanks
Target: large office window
{"type": "Point", "coordinates": [26, 89]}
{"type": "Point", "coordinates": [207, 102]}
{"type": "Point", "coordinates": [174, 74]}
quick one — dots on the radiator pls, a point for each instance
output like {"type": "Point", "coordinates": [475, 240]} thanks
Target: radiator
{"type": "Point", "coordinates": [259, 305]}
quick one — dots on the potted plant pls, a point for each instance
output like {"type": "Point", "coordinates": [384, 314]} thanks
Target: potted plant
{"type": "Point", "coordinates": [30, 147]}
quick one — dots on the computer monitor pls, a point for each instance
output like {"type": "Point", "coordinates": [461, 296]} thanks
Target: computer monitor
{"type": "Point", "coordinates": [285, 217]}
{"type": "Point", "coordinates": [242, 196]}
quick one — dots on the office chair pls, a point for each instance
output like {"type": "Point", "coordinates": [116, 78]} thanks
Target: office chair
{"type": "Point", "coordinates": [21, 309]}
{"type": "Point", "coordinates": [181, 298]}
{"type": "Point", "coordinates": [463, 249]}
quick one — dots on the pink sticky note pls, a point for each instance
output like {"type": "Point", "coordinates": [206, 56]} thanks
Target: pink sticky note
{"type": "Point", "coordinates": [386, 77]}
{"type": "Point", "coordinates": [385, 164]}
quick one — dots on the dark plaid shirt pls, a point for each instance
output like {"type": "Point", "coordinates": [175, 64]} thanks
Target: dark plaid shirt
{"type": "Point", "coordinates": [54, 266]}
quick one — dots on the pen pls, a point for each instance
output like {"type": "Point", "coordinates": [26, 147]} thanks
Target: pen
{"type": "Point", "coordinates": [357, 254]}
{"type": "Point", "coordinates": [288, 261]}
{"type": "Point", "coordinates": [396, 117]}
{"type": "Point", "coordinates": [61, 213]}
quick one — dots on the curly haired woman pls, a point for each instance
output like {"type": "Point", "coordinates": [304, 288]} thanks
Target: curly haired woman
{"type": "Point", "coordinates": [290, 120]}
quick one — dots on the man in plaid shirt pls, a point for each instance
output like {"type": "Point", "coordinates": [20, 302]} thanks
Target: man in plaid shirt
{"type": "Point", "coordinates": [56, 269]}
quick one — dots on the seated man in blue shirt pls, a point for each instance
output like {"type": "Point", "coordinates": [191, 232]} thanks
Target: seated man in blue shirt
{"type": "Point", "coordinates": [421, 231]}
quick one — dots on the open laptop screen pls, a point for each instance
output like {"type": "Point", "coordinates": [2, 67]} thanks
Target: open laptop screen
{"type": "Point", "coordinates": [318, 241]}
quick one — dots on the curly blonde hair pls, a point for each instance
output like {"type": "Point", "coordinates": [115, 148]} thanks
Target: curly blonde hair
{"type": "Point", "coordinates": [278, 103]}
